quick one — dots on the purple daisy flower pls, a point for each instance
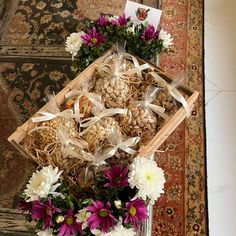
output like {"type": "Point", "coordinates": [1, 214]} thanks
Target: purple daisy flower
{"type": "Point", "coordinates": [103, 21]}
{"type": "Point", "coordinates": [117, 176]}
{"type": "Point", "coordinates": [25, 206]}
{"type": "Point", "coordinates": [121, 21]}
{"type": "Point", "coordinates": [44, 211]}
{"type": "Point", "coordinates": [149, 33]}
{"type": "Point", "coordinates": [70, 225]}
{"type": "Point", "coordinates": [101, 216]}
{"type": "Point", "coordinates": [137, 212]}
{"type": "Point", "coordinates": [93, 38]}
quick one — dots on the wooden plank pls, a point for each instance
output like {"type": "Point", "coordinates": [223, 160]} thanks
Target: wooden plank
{"type": "Point", "coordinates": [33, 52]}
{"type": "Point", "coordinates": [13, 223]}
{"type": "Point", "coordinates": [168, 128]}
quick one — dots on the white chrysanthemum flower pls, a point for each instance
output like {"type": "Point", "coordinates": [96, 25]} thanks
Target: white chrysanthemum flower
{"type": "Point", "coordinates": [166, 37]}
{"type": "Point", "coordinates": [118, 204]}
{"type": "Point", "coordinates": [82, 217]}
{"type": "Point", "coordinates": [121, 230]}
{"type": "Point", "coordinates": [131, 29]}
{"type": "Point", "coordinates": [46, 232]}
{"type": "Point", "coordinates": [110, 18]}
{"type": "Point", "coordinates": [117, 231]}
{"type": "Point", "coordinates": [42, 183]}
{"type": "Point", "coordinates": [147, 177]}
{"type": "Point", "coordinates": [73, 43]}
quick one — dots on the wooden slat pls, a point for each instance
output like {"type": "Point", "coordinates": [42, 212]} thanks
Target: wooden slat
{"type": "Point", "coordinates": [34, 52]}
{"type": "Point", "coordinates": [168, 128]}
{"type": "Point", "coordinates": [13, 223]}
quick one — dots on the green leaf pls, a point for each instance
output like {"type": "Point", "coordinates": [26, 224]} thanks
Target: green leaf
{"type": "Point", "coordinates": [87, 201]}
{"type": "Point", "coordinates": [40, 224]}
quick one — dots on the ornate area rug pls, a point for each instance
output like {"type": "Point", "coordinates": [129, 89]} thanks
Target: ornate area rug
{"type": "Point", "coordinates": [182, 210]}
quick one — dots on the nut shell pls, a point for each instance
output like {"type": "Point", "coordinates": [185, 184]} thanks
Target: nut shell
{"type": "Point", "coordinates": [115, 92]}
{"type": "Point", "coordinates": [100, 132]}
{"type": "Point", "coordinates": [164, 99]}
{"type": "Point", "coordinates": [140, 122]}
{"type": "Point", "coordinates": [45, 136]}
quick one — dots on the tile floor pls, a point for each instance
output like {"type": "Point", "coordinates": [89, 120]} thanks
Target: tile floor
{"type": "Point", "coordinates": [220, 72]}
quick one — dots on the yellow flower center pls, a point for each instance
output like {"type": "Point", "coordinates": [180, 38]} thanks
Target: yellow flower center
{"type": "Point", "coordinates": [94, 40]}
{"type": "Point", "coordinates": [48, 211]}
{"type": "Point", "coordinates": [132, 211]}
{"type": "Point", "coordinates": [69, 220]}
{"type": "Point", "coordinates": [117, 180]}
{"type": "Point", "coordinates": [103, 213]}
{"type": "Point", "coordinates": [149, 177]}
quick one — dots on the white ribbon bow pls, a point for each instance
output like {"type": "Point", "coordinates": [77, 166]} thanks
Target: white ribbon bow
{"type": "Point", "coordinates": [68, 113]}
{"type": "Point", "coordinates": [115, 70]}
{"type": "Point", "coordinates": [97, 159]}
{"type": "Point", "coordinates": [155, 108]}
{"type": "Point", "coordinates": [88, 122]}
{"type": "Point", "coordinates": [172, 90]}
{"type": "Point", "coordinates": [68, 144]}
{"type": "Point", "coordinates": [92, 97]}
{"type": "Point", "coordinates": [137, 68]}
{"type": "Point", "coordinates": [123, 145]}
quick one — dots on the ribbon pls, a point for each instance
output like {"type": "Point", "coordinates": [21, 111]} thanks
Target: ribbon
{"type": "Point", "coordinates": [97, 159]}
{"type": "Point", "coordinates": [114, 70]}
{"type": "Point", "coordinates": [123, 145]}
{"type": "Point", "coordinates": [88, 122]}
{"type": "Point", "coordinates": [92, 97]}
{"type": "Point", "coordinates": [137, 68]}
{"type": "Point", "coordinates": [68, 113]}
{"type": "Point", "coordinates": [155, 108]}
{"type": "Point", "coordinates": [68, 144]}
{"type": "Point", "coordinates": [172, 90]}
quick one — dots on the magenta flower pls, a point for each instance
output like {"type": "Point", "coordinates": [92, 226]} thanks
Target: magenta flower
{"type": "Point", "coordinates": [93, 38]}
{"type": "Point", "coordinates": [44, 211]}
{"type": "Point", "coordinates": [25, 206]}
{"type": "Point", "coordinates": [117, 176]}
{"type": "Point", "coordinates": [102, 21]}
{"type": "Point", "coordinates": [121, 21]}
{"type": "Point", "coordinates": [70, 225]}
{"type": "Point", "coordinates": [101, 216]}
{"type": "Point", "coordinates": [149, 33]}
{"type": "Point", "coordinates": [137, 212]}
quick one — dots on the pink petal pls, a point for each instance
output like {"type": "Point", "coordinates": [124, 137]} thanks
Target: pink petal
{"type": "Point", "coordinates": [62, 229]}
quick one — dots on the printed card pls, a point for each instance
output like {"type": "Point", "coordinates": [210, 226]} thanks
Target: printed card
{"type": "Point", "coordinates": [143, 14]}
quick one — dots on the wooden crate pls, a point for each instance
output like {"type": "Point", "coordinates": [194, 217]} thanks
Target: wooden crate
{"type": "Point", "coordinates": [146, 150]}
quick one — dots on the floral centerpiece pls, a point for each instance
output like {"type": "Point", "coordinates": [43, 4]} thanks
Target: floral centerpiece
{"type": "Point", "coordinates": [116, 203]}
{"type": "Point", "coordinates": [142, 40]}
{"type": "Point", "coordinates": [91, 179]}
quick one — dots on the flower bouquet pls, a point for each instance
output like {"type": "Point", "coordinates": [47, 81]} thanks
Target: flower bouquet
{"type": "Point", "coordinates": [142, 40]}
{"type": "Point", "coordinates": [116, 204]}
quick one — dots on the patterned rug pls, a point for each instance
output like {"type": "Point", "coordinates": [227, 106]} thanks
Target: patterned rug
{"type": "Point", "coordinates": [182, 210]}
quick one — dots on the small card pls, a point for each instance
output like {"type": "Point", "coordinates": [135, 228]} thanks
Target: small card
{"type": "Point", "coordinates": [141, 13]}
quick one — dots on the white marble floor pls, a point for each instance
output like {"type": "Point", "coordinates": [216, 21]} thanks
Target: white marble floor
{"type": "Point", "coordinates": [220, 75]}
